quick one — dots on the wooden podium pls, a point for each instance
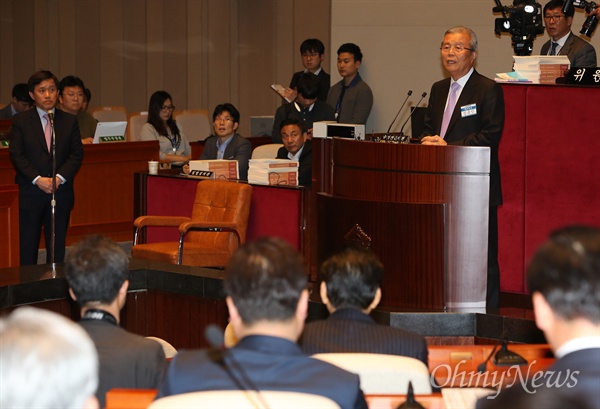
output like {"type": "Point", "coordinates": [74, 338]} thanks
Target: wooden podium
{"type": "Point", "coordinates": [424, 208]}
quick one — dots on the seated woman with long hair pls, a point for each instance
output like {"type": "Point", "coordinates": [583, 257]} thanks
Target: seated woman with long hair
{"type": "Point", "coordinates": [174, 146]}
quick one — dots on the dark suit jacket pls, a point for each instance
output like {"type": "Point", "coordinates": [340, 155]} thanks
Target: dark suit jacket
{"type": "Point", "coordinates": [577, 374]}
{"type": "Point", "coordinates": [238, 149]}
{"type": "Point", "coordinates": [6, 112]}
{"type": "Point", "coordinates": [350, 330]}
{"type": "Point", "coordinates": [304, 165]}
{"type": "Point", "coordinates": [126, 360]}
{"type": "Point", "coordinates": [580, 52]}
{"type": "Point", "coordinates": [324, 83]}
{"type": "Point", "coordinates": [272, 364]}
{"type": "Point", "coordinates": [482, 129]}
{"type": "Point", "coordinates": [320, 112]}
{"type": "Point", "coordinates": [30, 157]}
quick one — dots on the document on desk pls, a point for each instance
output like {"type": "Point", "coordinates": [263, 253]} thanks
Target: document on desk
{"type": "Point", "coordinates": [463, 398]}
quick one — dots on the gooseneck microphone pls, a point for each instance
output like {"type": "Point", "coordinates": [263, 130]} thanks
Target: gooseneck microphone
{"type": "Point", "coordinates": [482, 366]}
{"type": "Point", "coordinates": [400, 110]}
{"type": "Point", "coordinates": [423, 95]}
{"type": "Point", "coordinates": [215, 337]}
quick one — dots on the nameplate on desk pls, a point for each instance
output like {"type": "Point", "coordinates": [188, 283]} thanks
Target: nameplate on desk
{"type": "Point", "coordinates": [114, 138]}
{"type": "Point", "coordinates": [583, 76]}
{"type": "Point", "coordinates": [208, 174]}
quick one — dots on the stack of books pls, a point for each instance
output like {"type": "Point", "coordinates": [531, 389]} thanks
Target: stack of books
{"type": "Point", "coordinates": [223, 169]}
{"type": "Point", "coordinates": [536, 69]}
{"type": "Point", "coordinates": [273, 172]}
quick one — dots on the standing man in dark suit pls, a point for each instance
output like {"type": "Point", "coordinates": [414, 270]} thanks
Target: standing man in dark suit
{"type": "Point", "coordinates": [564, 280]}
{"type": "Point", "coordinates": [97, 271]}
{"type": "Point", "coordinates": [562, 40]}
{"type": "Point", "coordinates": [467, 109]}
{"type": "Point", "coordinates": [297, 148]}
{"type": "Point", "coordinates": [351, 289]}
{"type": "Point", "coordinates": [267, 298]}
{"type": "Point", "coordinates": [312, 51]}
{"type": "Point", "coordinates": [30, 152]}
{"type": "Point", "coordinates": [226, 143]}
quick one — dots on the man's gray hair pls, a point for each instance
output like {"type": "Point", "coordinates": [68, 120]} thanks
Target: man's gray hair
{"type": "Point", "coordinates": [463, 29]}
{"type": "Point", "coordinates": [47, 361]}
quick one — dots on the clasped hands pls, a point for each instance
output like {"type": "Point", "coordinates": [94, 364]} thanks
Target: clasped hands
{"type": "Point", "coordinates": [45, 184]}
{"type": "Point", "coordinates": [433, 140]}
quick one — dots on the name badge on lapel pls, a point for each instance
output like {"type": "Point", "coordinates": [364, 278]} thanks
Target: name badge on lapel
{"type": "Point", "coordinates": [468, 110]}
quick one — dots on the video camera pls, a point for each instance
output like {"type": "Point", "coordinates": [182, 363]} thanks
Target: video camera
{"type": "Point", "coordinates": [523, 20]}
{"type": "Point", "coordinates": [590, 23]}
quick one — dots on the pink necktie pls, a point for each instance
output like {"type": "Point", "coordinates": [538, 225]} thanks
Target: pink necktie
{"type": "Point", "coordinates": [48, 131]}
{"type": "Point", "coordinates": [449, 109]}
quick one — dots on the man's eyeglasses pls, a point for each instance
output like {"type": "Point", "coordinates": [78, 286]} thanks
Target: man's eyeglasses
{"type": "Point", "coordinates": [458, 48]}
{"type": "Point", "coordinates": [310, 55]}
{"type": "Point", "coordinates": [555, 18]}
{"type": "Point", "coordinates": [169, 108]}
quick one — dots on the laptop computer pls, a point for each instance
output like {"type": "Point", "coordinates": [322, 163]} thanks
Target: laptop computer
{"type": "Point", "coordinates": [110, 132]}
{"type": "Point", "coordinates": [261, 125]}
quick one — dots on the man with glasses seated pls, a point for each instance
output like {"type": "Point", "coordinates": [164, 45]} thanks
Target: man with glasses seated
{"type": "Point", "coordinates": [225, 143]}
{"type": "Point", "coordinates": [468, 110]}
{"type": "Point", "coordinates": [562, 40]}
{"type": "Point", "coordinates": [312, 51]}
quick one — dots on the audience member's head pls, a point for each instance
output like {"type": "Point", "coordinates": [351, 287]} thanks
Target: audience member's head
{"type": "Point", "coordinates": [47, 362]}
{"type": "Point", "coordinates": [308, 89]}
{"type": "Point", "coordinates": [71, 94]}
{"type": "Point", "coordinates": [43, 89]}
{"type": "Point", "coordinates": [558, 24]}
{"type": "Point", "coordinates": [265, 282]}
{"type": "Point", "coordinates": [21, 100]}
{"type": "Point", "coordinates": [226, 119]}
{"type": "Point", "coordinates": [564, 279]}
{"type": "Point", "coordinates": [293, 134]}
{"type": "Point", "coordinates": [352, 279]}
{"type": "Point", "coordinates": [313, 54]}
{"type": "Point", "coordinates": [97, 270]}
{"type": "Point", "coordinates": [349, 60]}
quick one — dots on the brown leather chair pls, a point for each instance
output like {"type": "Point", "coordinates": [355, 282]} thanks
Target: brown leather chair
{"type": "Point", "coordinates": [215, 230]}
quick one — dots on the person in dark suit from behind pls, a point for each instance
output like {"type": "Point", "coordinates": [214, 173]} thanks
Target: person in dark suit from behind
{"type": "Point", "coordinates": [564, 280]}
{"type": "Point", "coordinates": [20, 102]}
{"type": "Point", "coordinates": [97, 270]}
{"type": "Point", "coordinates": [306, 107]}
{"type": "Point", "coordinates": [312, 52]}
{"type": "Point", "coordinates": [351, 289]}
{"type": "Point", "coordinates": [298, 148]}
{"type": "Point", "coordinates": [562, 40]}
{"type": "Point", "coordinates": [226, 143]}
{"type": "Point", "coordinates": [267, 298]}
{"type": "Point", "coordinates": [477, 119]}
{"type": "Point", "coordinates": [30, 153]}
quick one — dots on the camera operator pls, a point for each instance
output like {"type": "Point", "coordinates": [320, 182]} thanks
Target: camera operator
{"type": "Point", "coordinates": [562, 40]}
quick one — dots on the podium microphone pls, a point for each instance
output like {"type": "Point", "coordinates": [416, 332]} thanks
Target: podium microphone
{"type": "Point", "coordinates": [400, 110]}
{"type": "Point", "coordinates": [215, 337]}
{"type": "Point", "coordinates": [402, 136]}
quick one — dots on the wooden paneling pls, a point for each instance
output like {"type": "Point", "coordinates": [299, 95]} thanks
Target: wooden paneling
{"type": "Point", "coordinates": [9, 226]}
{"type": "Point", "coordinates": [203, 52]}
{"type": "Point", "coordinates": [457, 176]}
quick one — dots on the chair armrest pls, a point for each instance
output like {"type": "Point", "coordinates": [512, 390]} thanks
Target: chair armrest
{"type": "Point", "coordinates": [207, 226]}
{"type": "Point", "coordinates": [174, 221]}
{"type": "Point", "coordinates": [184, 228]}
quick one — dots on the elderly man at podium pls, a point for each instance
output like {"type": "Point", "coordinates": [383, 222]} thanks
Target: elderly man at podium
{"type": "Point", "coordinates": [467, 109]}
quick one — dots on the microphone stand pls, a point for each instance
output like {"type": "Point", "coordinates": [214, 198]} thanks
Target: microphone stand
{"type": "Point", "coordinates": [53, 201]}
{"type": "Point", "coordinates": [406, 138]}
